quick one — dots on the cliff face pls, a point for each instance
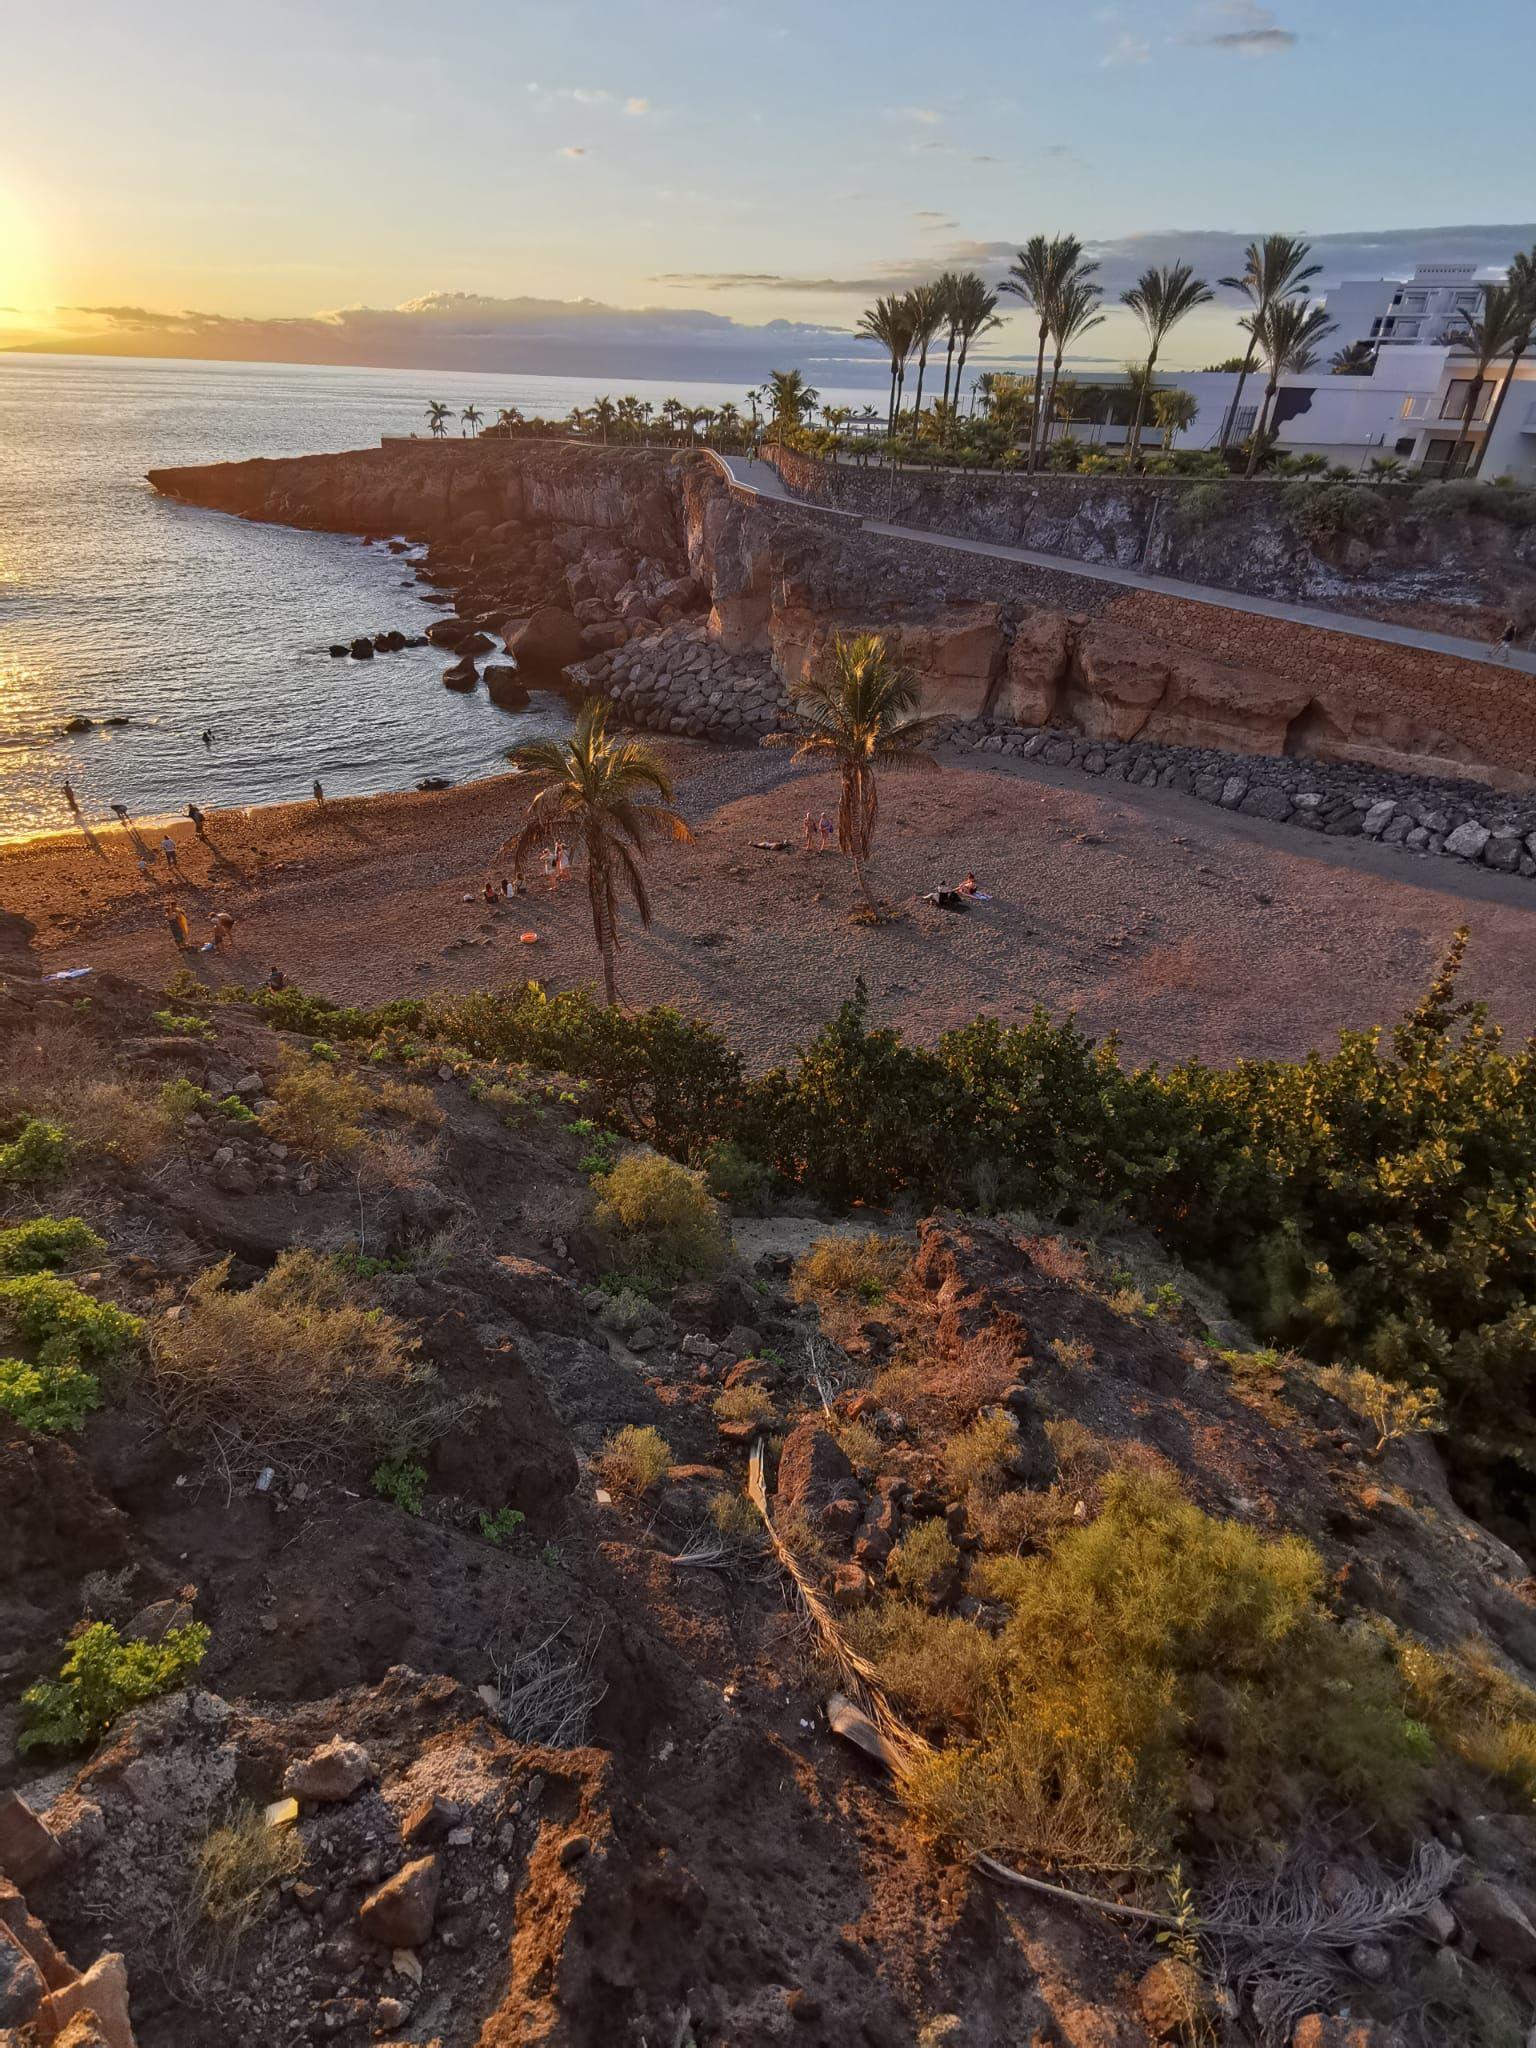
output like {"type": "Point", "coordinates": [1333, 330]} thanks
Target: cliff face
{"type": "Point", "coordinates": [630, 540]}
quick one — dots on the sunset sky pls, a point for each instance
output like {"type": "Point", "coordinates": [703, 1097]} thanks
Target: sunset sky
{"type": "Point", "coordinates": [391, 183]}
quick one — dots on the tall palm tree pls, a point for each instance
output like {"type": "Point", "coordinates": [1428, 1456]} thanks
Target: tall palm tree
{"type": "Point", "coordinates": [1161, 297]}
{"type": "Point", "coordinates": [927, 305]}
{"type": "Point", "coordinates": [889, 321]}
{"type": "Point", "coordinates": [609, 797]}
{"type": "Point", "coordinates": [975, 312]}
{"type": "Point", "coordinates": [1522, 278]}
{"type": "Point", "coordinates": [1500, 326]}
{"type": "Point", "coordinates": [439, 415]}
{"type": "Point", "coordinates": [855, 711]}
{"type": "Point", "coordinates": [1288, 334]}
{"type": "Point", "coordinates": [1041, 272]}
{"type": "Point", "coordinates": [791, 400]}
{"type": "Point", "coordinates": [948, 288]}
{"type": "Point", "coordinates": [1074, 313]}
{"type": "Point", "coordinates": [1174, 411]}
{"type": "Point", "coordinates": [1274, 269]}
{"type": "Point", "coordinates": [471, 416]}
{"type": "Point", "coordinates": [509, 416]}
{"type": "Point", "coordinates": [1355, 359]}
{"type": "Point", "coordinates": [672, 415]}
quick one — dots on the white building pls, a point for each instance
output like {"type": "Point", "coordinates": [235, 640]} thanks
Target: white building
{"type": "Point", "coordinates": [1395, 312]}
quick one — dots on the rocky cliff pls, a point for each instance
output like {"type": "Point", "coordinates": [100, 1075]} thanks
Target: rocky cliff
{"type": "Point", "coordinates": [629, 543]}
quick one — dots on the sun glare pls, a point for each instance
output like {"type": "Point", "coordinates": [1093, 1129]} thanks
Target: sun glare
{"type": "Point", "coordinates": [25, 273]}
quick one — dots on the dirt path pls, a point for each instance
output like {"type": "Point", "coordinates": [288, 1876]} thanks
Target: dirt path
{"type": "Point", "coordinates": [1188, 930]}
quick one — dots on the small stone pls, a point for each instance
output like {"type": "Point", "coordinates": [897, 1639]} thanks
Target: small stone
{"type": "Point", "coordinates": [1171, 2000]}
{"type": "Point", "coordinates": [574, 1848]}
{"type": "Point", "coordinates": [329, 1774]}
{"type": "Point", "coordinates": [21, 1982]}
{"type": "Point", "coordinates": [1368, 1959]}
{"type": "Point", "coordinates": [1378, 818]}
{"type": "Point", "coordinates": [432, 1819]}
{"type": "Point", "coordinates": [461, 1838]}
{"type": "Point", "coordinates": [401, 1912]}
{"type": "Point", "coordinates": [1497, 1922]}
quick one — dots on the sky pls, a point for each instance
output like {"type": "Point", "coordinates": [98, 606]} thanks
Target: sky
{"type": "Point", "coordinates": [701, 187]}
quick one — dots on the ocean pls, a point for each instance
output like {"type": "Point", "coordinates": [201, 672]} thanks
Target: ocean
{"type": "Point", "coordinates": [115, 604]}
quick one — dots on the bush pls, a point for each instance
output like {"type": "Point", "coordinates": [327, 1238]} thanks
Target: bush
{"type": "Point", "coordinates": [101, 1678]}
{"type": "Point", "coordinates": [1331, 512]}
{"type": "Point", "coordinates": [923, 1560]}
{"type": "Point", "coordinates": [733, 1177]}
{"type": "Point", "coordinates": [319, 1111]}
{"type": "Point", "coordinates": [47, 1241]}
{"type": "Point", "coordinates": [979, 1456]}
{"type": "Point", "coordinates": [1483, 501]}
{"type": "Point", "coordinates": [402, 1483]}
{"type": "Point", "coordinates": [182, 1098]}
{"type": "Point", "coordinates": [47, 1398]}
{"type": "Point", "coordinates": [239, 1867]}
{"type": "Point", "coordinates": [502, 1526]}
{"type": "Point", "coordinates": [62, 1324]}
{"type": "Point", "coordinates": [37, 1153]}
{"type": "Point", "coordinates": [1151, 1645]}
{"type": "Point", "coordinates": [1477, 1710]}
{"type": "Point", "coordinates": [744, 1407]}
{"type": "Point", "coordinates": [634, 1460]}
{"type": "Point", "coordinates": [183, 1026]}
{"type": "Point", "coordinates": [297, 1369]}
{"type": "Point", "coordinates": [862, 1269]}
{"type": "Point", "coordinates": [659, 1221]}
{"type": "Point", "coordinates": [1392, 1411]}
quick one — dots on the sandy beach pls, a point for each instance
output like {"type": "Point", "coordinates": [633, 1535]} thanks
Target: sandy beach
{"type": "Point", "coordinates": [1187, 930]}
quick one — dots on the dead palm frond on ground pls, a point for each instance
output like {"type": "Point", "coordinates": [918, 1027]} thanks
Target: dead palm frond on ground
{"type": "Point", "coordinates": [609, 797]}
{"type": "Point", "coordinates": [855, 711]}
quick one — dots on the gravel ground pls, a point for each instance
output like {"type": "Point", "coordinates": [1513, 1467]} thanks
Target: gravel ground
{"type": "Point", "coordinates": [1189, 931]}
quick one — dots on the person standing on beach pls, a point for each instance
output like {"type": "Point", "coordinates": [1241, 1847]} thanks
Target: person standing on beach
{"type": "Point", "coordinates": [198, 820]}
{"type": "Point", "coordinates": [168, 848]}
{"type": "Point", "coordinates": [176, 918]}
{"type": "Point", "coordinates": [319, 792]}
{"type": "Point", "coordinates": [1504, 646]}
{"type": "Point", "coordinates": [825, 829]}
{"type": "Point", "coordinates": [810, 834]}
{"type": "Point", "coordinates": [562, 861]}
{"type": "Point", "coordinates": [71, 799]}
{"type": "Point", "coordinates": [222, 926]}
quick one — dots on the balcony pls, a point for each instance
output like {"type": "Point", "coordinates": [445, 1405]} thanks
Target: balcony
{"type": "Point", "coordinates": [1430, 411]}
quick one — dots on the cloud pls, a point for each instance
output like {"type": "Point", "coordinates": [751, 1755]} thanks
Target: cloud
{"type": "Point", "coordinates": [986, 159]}
{"type": "Point", "coordinates": [1127, 49]}
{"type": "Point", "coordinates": [574, 149]}
{"type": "Point", "coordinates": [926, 117]}
{"type": "Point", "coordinates": [636, 105]}
{"type": "Point", "coordinates": [1240, 26]}
{"type": "Point", "coordinates": [927, 213]}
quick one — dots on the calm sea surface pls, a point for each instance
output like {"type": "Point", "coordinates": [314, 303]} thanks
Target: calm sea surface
{"type": "Point", "coordinates": [117, 604]}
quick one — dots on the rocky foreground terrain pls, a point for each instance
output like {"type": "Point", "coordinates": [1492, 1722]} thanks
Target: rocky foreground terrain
{"type": "Point", "coordinates": [466, 1593]}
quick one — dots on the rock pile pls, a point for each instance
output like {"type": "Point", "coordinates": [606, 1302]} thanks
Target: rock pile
{"type": "Point", "coordinates": [1427, 816]}
{"type": "Point", "coordinates": [680, 681]}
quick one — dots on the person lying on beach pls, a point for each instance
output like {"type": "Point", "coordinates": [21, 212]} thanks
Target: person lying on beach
{"type": "Point", "coordinates": [969, 888]}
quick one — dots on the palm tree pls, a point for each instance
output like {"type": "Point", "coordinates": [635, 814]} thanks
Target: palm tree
{"type": "Point", "coordinates": [471, 416]}
{"type": "Point", "coordinates": [1042, 271]}
{"type": "Point", "coordinates": [1500, 327]}
{"type": "Point", "coordinates": [791, 400]}
{"type": "Point", "coordinates": [926, 303]}
{"type": "Point", "coordinates": [948, 289]}
{"type": "Point", "coordinates": [890, 322]}
{"type": "Point", "coordinates": [1288, 334]}
{"type": "Point", "coordinates": [1522, 278]}
{"type": "Point", "coordinates": [1355, 359]}
{"type": "Point", "coordinates": [604, 413]}
{"type": "Point", "coordinates": [728, 420]}
{"type": "Point", "coordinates": [974, 311]}
{"type": "Point", "coordinates": [1174, 411]}
{"type": "Point", "coordinates": [509, 416]}
{"type": "Point", "coordinates": [854, 710]}
{"type": "Point", "coordinates": [439, 415]}
{"type": "Point", "coordinates": [592, 793]}
{"type": "Point", "coordinates": [1274, 269]}
{"type": "Point", "coordinates": [672, 415]}
{"type": "Point", "coordinates": [1074, 312]}
{"type": "Point", "coordinates": [1161, 297]}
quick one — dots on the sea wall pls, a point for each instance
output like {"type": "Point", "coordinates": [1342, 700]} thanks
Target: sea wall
{"type": "Point", "coordinates": [1381, 548]}
{"type": "Point", "coordinates": [620, 546]}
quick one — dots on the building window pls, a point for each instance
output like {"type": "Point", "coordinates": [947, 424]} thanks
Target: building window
{"type": "Point", "coordinates": [1243, 421]}
{"type": "Point", "coordinates": [1413, 302]}
{"type": "Point", "coordinates": [1455, 405]}
{"type": "Point", "coordinates": [1406, 445]}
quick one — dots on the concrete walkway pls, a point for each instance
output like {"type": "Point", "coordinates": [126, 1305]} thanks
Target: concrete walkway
{"type": "Point", "coordinates": [764, 481]}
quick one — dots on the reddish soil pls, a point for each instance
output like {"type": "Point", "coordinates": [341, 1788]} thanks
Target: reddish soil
{"type": "Point", "coordinates": [1191, 932]}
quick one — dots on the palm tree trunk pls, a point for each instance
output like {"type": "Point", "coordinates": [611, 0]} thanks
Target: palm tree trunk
{"type": "Point", "coordinates": [1237, 396]}
{"type": "Point", "coordinates": [1142, 396]}
{"type": "Point", "coordinates": [917, 404]}
{"type": "Point", "coordinates": [1261, 424]}
{"type": "Point", "coordinates": [959, 380]}
{"type": "Point", "coordinates": [890, 410]}
{"type": "Point", "coordinates": [1474, 393]}
{"type": "Point", "coordinates": [949, 357]}
{"type": "Point", "coordinates": [1498, 404]}
{"type": "Point", "coordinates": [1034, 417]}
{"type": "Point", "coordinates": [610, 984]}
{"type": "Point", "coordinates": [1050, 406]}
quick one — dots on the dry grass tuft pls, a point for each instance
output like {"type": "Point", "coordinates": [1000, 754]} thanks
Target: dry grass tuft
{"type": "Point", "coordinates": [978, 1458]}
{"type": "Point", "coordinates": [634, 1459]}
{"type": "Point", "coordinates": [850, 1271]}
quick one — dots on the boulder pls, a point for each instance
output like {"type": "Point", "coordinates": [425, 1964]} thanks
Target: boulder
{"type": "Point", "coordinates": [814, 1470]}
{"type": "Point", "coordinates": [1467, 841]}
{"type": "Point", "coordinates": [330, 1773]}
{"type": "Point", "coordinates": [473, 644]}
{"type": "Point", "coordinates": [550, 640]}
{"type": "Point", "coordinates": [462, 676]}
{"type": "Point", "coordinates": [1496, 1920]}
{"type": "Point", "coordinates": [102, 1992]}
{"type": "Point", "coordinates": [1037, 668]}
{"type": "Point", "coordinates": [21, 1982]}
{"type": "Point", "coordinates": [505, 686]}
{"type": "Point", "coordinates": [1322, 2030]}
{"type": "Point", "coordinates": [1126, 686]}
{"type": "Point", "coordinates": [362, 649]}
{"type": "Point", "coordinates": [338, 648]}
{"type": "Point", "coordinates": [401, 1911]}
{"type": "Point", "coordinates": [447, 632]}
{"type": "Point", "coordinates": [28, 1850]}
{"type": "Point", "coordinates": [1172, 2001]}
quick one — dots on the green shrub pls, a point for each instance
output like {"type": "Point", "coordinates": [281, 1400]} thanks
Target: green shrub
{"type": "Point", "coordinates": [1331, 512]}
{"type": "Point", "coordinates": [62, 1324]}
{"type": "Point", "coordinates": [47, 1241]}
{"type": "Point", "coordinates": [184, 1026]}
{"type": "Point", "coordinates": [923, 1559]}
{"type": "Point", "coordinates": [1476, 1709]}
{"type": "Point", "coordinates": [38, 1152]}
{"type": "Point", "coordinates": [182, 1098]}
{"type": "Point", "coordinates": [101, 1678]}
{"type": "Point", "coordinates": [501, 1526]}
{"type": "Point", "coordinates": [1511, 507]}
{"type": "Point", "coordinates": [47, 1398]}
{"type": "Point", "coordinates": [979, 1456]}
{"type": "Point", "coordinates": [1393, 1411]}
{"type": "Point", "coordinates": [634, 1459]}
{"type": "Point", "coordinates": [1150, 1646]}
{"type": "Point", "coordinates": [861, 1269]}
{"type": "Point", "coordinates": [658, 1219]}
{"type": "Point", "coordinates": [733, 1177]}
{"type": "Point", "coordinates": [744, 1407]}
{"type": "Point", "coordinates": [319, 1111]}
{"type": "Point", "coordinates": [401, 1482]}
